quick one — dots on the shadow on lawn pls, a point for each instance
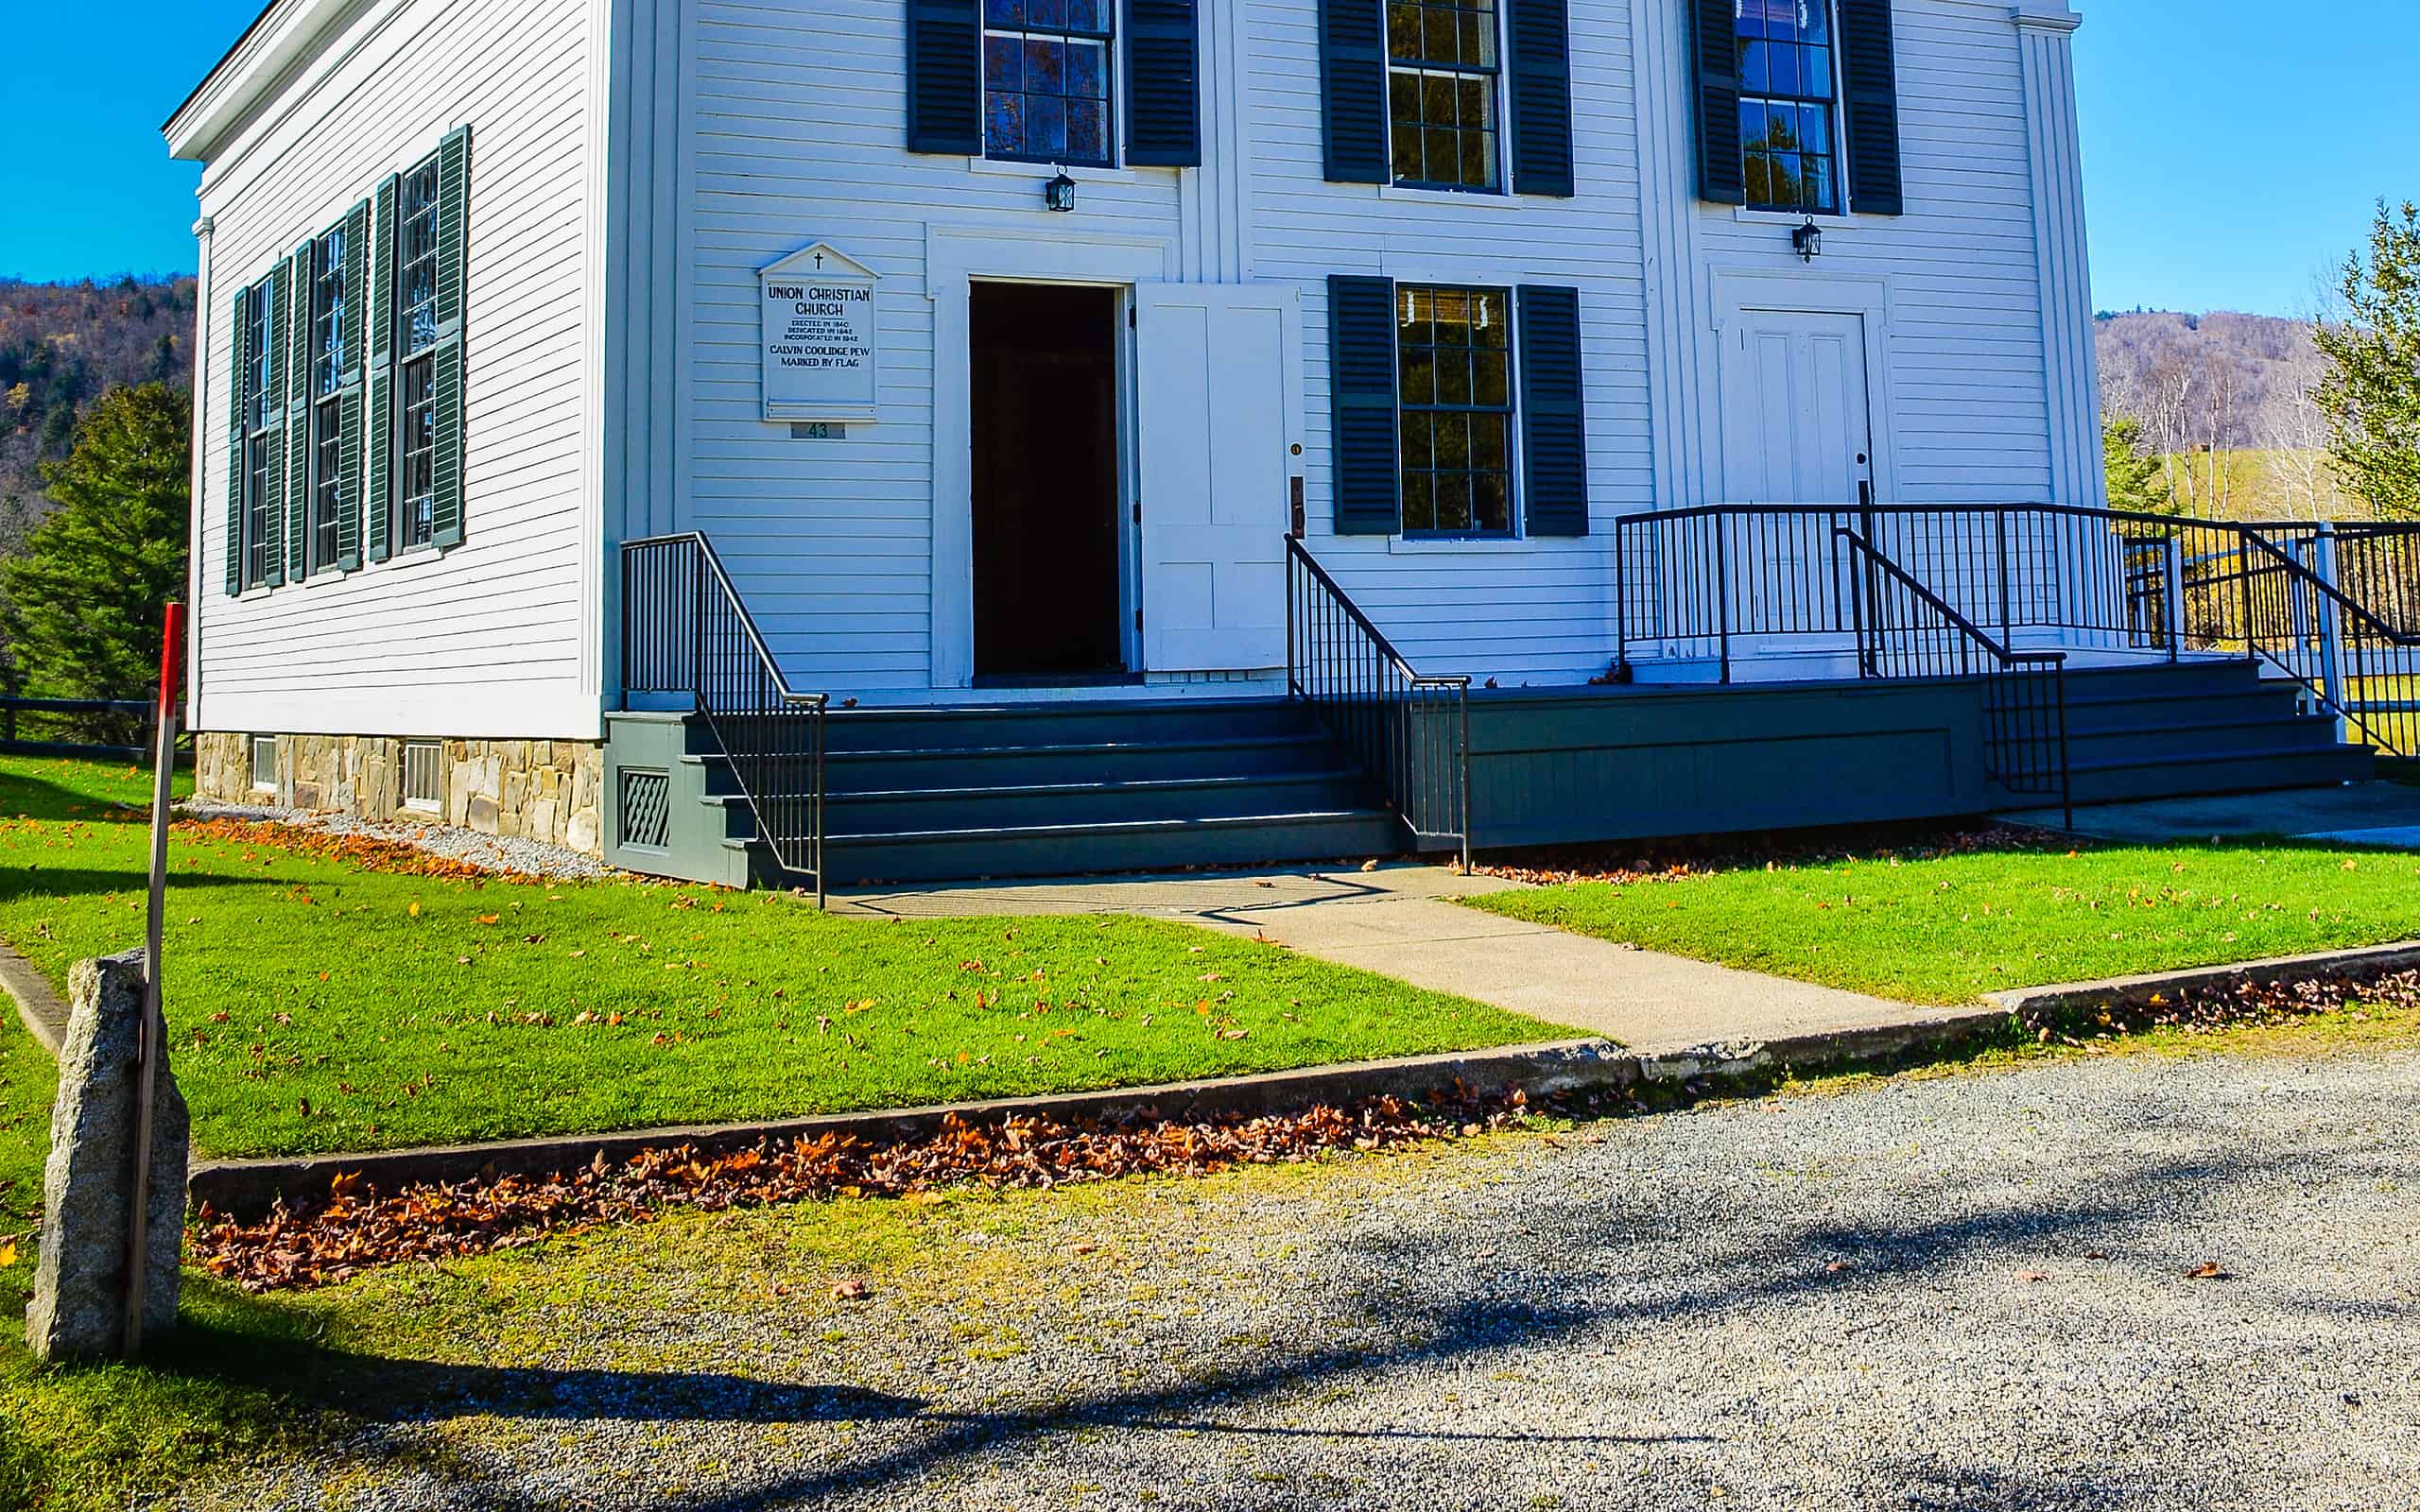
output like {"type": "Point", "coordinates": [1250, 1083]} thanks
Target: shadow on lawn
{"type": "Point", "coordinates": [35, 798]}
{"type": "Point", "coordinates": [1598, 1272]}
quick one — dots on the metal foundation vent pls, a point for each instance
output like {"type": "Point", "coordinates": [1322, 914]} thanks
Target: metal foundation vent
{"type": "Point", "coordinates": [647, 809]}
{"type": "Point", "coordinates": [423, 784]}
{"type": "Point", "coordinates": [265, 762]}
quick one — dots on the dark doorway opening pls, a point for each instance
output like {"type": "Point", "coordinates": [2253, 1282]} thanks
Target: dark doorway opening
{"type": "Point", "coordinates": [1044, 371]}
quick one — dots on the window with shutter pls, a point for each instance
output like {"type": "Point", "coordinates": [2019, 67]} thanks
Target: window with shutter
{"type": "Point", "coordinates": [1046, 81]}
{"type": "Point", "coordinates": [945, 77]}
{"type": "Point", "coordinates": [1362, 390]}
{"type": "Point", "coordinates": [1353, 91]}
{"type": "Point", "coordinates": [1541, 58]}
{"type": "Point", "coordinates": [1163, 68]}
{"type": "Point", "coordinates": [1870, 71]}
{"type": "Point", "coordinates": [453, 254]}
{"type": "Point", "coordinates": [298, 413]}
{"type": "Point", "coordinates": [378, 425]}
{"type": "Point", "coordinates": [266, 544]}
{"type": "Point", "coordinates": [1454, 390]}
{"type": "Point", "coordinates": [1443, 62]}
{"type": "Point", "coordinates": [322, 489]}
{"type": "Point", "coordinates": [239, 328]}
{"type": "Point", "coordinates": [1554, 440]}
{"type": "Point", "coordinates": [415, 337]}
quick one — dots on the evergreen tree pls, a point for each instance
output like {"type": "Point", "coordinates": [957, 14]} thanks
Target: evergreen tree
{"type": "Point", "coordinates": [80, 604]}
{"type": "Point", "coordinates": [2136, 481]}
{"type": "Point", "coordinates": [2371, 392]}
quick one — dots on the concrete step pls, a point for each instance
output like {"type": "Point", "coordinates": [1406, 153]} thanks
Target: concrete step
{"type": "Point", "coordinates": [1055, 850]}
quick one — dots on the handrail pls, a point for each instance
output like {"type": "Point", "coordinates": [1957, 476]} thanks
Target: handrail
{"type": "Point", "coordinates": [686, 629]}
{"type": "Point", "coordinates": [2311, 642]}
{"type": "Point", "coordinates": [1410, 730]}
{"type": "Point", "coordinates": [2025, 705]}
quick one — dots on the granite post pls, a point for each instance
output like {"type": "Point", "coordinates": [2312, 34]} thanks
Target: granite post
{"type": "Point", "coordinates": [78, 1309]}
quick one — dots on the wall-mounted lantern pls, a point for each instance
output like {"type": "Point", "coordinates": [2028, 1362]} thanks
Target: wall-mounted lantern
{"type": "Point", "coordinates": [1808, 240]}
{"type": "Point", "coordinates": [1060, 192]}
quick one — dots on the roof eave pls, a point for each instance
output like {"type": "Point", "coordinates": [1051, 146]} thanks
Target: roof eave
{"type": "Point", "coordinates": [284, 31]}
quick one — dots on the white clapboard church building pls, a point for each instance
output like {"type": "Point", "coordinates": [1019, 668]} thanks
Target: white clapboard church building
{"type": "Point", "coordinates": [930, 437]}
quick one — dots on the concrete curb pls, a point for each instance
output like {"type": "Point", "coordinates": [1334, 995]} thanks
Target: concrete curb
{"type": "Point", "coordinates": [2075, 996]}
{"type": "Point", "coordinates": [246, 1189]}
{"type": "Point", "coordinates": [41, 1008]}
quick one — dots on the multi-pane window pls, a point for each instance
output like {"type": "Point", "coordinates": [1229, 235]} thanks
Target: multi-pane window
{"type": "Point", "coordinates": [327, 377]}
{"type": "Point", "coordinates": [1787, 97]}
{"type": "Point", "coordinates": [415, 339]}
{"type": "Point", "coordinates": [1442, 65]}
{"type": "Point", "coordinates": [1047, 80]}
{"type": "Point", "coordinates": [260, 409]}
{"type": "Point", "coordinates": [1453, 352]}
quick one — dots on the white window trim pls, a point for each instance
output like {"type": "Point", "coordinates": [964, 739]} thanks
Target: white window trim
{"type": "Point", "coordinates": [1499, 82]}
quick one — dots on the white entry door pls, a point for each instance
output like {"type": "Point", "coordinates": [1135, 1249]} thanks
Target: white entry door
{"type": "Point", "coordinates": [1218, 411]}
{"type": "Point", "coordinates": [1796, 426]}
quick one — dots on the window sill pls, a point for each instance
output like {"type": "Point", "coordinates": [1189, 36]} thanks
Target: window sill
{"type": "Point", "coordinates": [1448, 197]}
{"type": "Point", "coordinates": [1828, 219]}
{"type": "Point", "coordinates": [1460, 546]}
{"type": "Point", "coordinates": [1041, 172]}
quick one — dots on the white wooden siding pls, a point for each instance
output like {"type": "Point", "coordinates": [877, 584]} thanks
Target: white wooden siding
{"type": "Point", "coordinates": [1961, 399]}
{"type": "Point", "coordinates": [496, 638]}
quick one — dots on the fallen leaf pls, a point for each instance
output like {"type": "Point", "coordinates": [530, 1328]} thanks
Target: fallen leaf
{"type": "Point", "coordinates": [8, 1253]}
{"type": "Point", "coordinates": [2209, 1270]}
{"type": "Point", "coordinates": [853, 1289]}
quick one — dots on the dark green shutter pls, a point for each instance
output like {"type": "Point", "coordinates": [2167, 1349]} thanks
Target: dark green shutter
{"type": "Point", "coordinates": [944, 76]}
{"type": "Point", "coordinates": [1362, 390]}
{"type": "Point", "coordinates": [379, 426]}
{"type": "Point", "coordinates": [453, 254]}
{"type": "Point", "coordinates": [1721, 176]}
{"type": "Point", "coordinates": [298, 415]}
{"type": "Point", "coordinates": [1163, 90]}
{"type": "Point", "coordinates": [1872, 74]}
{"type": "Point", "coordinates": [273, 511]}
{"type": "Point", "coordinates": [357, 302]}
{"type": "Point", "coordinates": [237, 347]}
{"type": "Point", "coordinates": [1352, 90]}
{"type": "Point", "coordinates": [1554, 432]}
{"type": "Point", "coordinates": [1540, 60]}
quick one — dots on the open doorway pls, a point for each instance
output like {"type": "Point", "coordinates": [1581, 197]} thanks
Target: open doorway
{"type": "Point", "coordinates": [1044, 404]}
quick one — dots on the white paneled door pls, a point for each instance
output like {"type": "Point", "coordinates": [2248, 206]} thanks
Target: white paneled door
{"type": "Point", "coordinates": [1796, 428]}
{"type": "Point", "coordinates": [1218, 411]}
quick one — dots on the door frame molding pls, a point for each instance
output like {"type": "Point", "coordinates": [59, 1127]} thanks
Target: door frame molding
{"type": "Point", "coordinates": [955, 258]}
{"type": "Point", "coordinates": [1740, 292]}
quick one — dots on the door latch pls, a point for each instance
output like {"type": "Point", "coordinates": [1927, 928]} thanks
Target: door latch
{"type": "Point", "coordinates": [1296, 489]}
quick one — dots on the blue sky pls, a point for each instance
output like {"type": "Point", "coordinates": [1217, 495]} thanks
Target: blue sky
{"type": "Point", "coordinates": [2232, 148]}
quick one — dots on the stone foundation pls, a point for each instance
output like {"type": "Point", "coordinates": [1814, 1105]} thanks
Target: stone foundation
{"type": "Point", "coordinates": [525, 789]}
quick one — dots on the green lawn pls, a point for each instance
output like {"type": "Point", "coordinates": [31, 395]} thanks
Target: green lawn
{"type": "Point", "coordinates": [1949, 928]}
{"type": "Point", "coordinates": [314, 1006]}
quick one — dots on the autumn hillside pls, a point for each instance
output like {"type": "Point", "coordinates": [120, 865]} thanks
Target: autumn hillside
{"type": "Point", "coordinates": [62, 345]}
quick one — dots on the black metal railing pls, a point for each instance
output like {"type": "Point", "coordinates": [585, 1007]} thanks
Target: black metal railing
{"type": "Point", "coordinates": [685, 631]}
{"type": "Point", "coordinates": [1699, 584]}
{"type": "Point", "coordinates": [1904, 630]}
{"type": "Point", "coordinates": [1410, 731]}
{"type": "Point", "coordinates": [2306, 615]}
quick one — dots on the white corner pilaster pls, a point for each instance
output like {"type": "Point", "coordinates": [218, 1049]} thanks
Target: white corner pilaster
{"type": "Point", "coordinates": [1681, 357]}
{"type": "Point", "coordinates": [2062, 263]}
{"type": "Point", "coordinates": [205, 438]}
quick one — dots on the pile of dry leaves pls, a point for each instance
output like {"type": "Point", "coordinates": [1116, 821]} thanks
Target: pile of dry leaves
{"type": "Point", "coordinates": [2236, 1003]}
{"type": "Point", "coordinates": [1632, 862]}
{"type": "Point", "coordinates": [370, 852]}
{"type": "Point", "coordinates": [357, 1228]}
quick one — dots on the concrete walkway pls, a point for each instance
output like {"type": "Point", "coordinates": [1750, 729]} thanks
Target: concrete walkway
{"type": "Point", "coordinates": [1399, 920]}
{"type": "Point", "coordinates": [2378, 813]}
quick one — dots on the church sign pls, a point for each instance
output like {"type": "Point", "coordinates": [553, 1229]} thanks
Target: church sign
{"type": "Point", "coordinates": [820, 345]}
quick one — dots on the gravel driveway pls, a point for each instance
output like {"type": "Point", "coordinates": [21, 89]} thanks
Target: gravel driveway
{"type": "Point", "coordinates": [1962, 1292]}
